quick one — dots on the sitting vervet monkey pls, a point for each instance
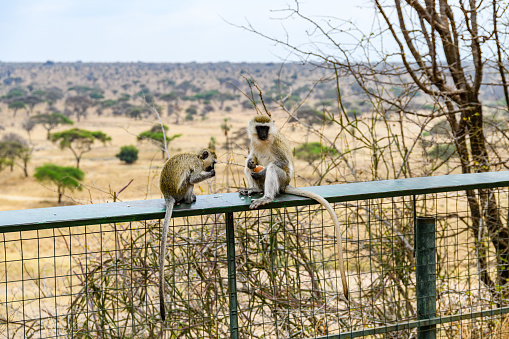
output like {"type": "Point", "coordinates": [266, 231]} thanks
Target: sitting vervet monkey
{"type": "Point", "coordinates": [178, 177]}
{"type": "Point", "coordinates": [269, 169]}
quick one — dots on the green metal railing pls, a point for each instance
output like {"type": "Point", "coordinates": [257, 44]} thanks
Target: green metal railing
{"type": "Point", "coordinates": [415, 267]}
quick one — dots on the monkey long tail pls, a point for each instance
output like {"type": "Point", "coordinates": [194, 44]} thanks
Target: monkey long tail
{"type": "Point", "coordinates": [328, 207]}
{"type": "Point", "coordinates": [162, 253]}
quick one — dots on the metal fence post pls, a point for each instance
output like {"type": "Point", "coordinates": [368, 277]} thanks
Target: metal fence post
{"type": "Point", "coordinates": [425, 274]}
{"type": "Point", "coordinates": [232, 275]}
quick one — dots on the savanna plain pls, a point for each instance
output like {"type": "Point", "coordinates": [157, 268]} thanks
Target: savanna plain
{"type": "Point", "coordinates": [338, 135]}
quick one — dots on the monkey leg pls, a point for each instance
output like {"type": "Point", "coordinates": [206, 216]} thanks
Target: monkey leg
{"type": "Point", "coordinates": [190, 196]}
{"type": "Point", "coordinates": [275, 181]}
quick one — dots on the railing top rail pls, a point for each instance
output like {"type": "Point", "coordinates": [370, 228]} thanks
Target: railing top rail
{"type": "Point", "coordinates": [53, 217]}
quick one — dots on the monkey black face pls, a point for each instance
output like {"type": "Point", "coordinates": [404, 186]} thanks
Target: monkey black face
{"type": "Point", "coordinates": [211, 167]}
{"type": "Point", "coordinates": [262, 132]}
{"type": "Point", "coordinates": [208, 157]}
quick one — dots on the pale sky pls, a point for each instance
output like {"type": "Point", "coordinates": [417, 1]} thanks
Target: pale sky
{"type": "Point", "coordinates": [156, 30]}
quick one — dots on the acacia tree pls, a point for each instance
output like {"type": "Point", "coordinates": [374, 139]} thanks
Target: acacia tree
{"type": "Point", "coordinates": [31, 101]}
{"type": "Point", "coordinates": [65, 178]}
{"type": "Point", "coordinates": [28, 125]}
{"type": "Point", "coordinates": [14, 150]}
{"type": "Point", "coordinates": [52, 95]}
{"type": "Point", "coordinates": [79, 104]}
{"type": "Point", "coordinates": [51, 120]}
{"type": "Point", "coordinates": [445, 52]}
{"type": "Point", "coordinates": [171, 100]}
{"type": "Point", "coordinates": [16, 106]}
{"type": "Point", "coordinates": [156, 136]}
{"type": "Point", "coordinates": [79, 141]}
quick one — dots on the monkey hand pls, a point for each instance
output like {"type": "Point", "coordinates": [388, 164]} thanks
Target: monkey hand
{"type": "Point", "coordinates": [251, 164]}
{"type": "Point", "coordinates": [259, 175]}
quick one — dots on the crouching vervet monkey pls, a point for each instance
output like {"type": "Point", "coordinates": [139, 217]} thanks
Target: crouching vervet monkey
{"type": "Point", "coordinates": [178, 177]}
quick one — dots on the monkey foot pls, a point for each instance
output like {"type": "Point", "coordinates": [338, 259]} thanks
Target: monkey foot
{"type": "Point", "coordinates": [259, 202]}
{"type": "Point", "coordinates": [248, 191]}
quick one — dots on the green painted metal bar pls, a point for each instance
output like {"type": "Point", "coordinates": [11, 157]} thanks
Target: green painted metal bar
{"type": "Point", "coordinates": [232, 276]}
{"type": "Point", "coordinates": [425, 274]}
{"type": "Point", "coordinates": [417, 323]}
{"type": "Point", "coordinates": [54, 217]}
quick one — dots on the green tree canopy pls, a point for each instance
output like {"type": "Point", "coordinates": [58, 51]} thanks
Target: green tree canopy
{"type": "Point", "coordinates": [63, 177]}
{"type": "Point", "coordinates": [16, 106]}
{"type": "Point", "coordinates": [79, 89]}
{"type": "Point", "coordinates": [124, 97]}
{"type": "Point", "coordinates": [15, 92]}
{"type": "Point", "coordinates": [168, 97]}
{"type": "Point", "coordinates": [52, 95]}
{"type": "Point", "coordinates": [9, 151]}
{"type": "Point", "coordinates": [155, 135]}
{"type": "Point", "coordinates": [79, 141]}
{"type": "Point", "coordinates": [31, 101]}
{"type": "Point", "coordinates": [51, 120]}
{"type": "Point", "coordinates": [108, 103]}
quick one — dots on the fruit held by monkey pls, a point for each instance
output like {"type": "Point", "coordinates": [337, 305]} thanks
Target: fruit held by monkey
{"type": "Point", "coordinates": [258, 168]}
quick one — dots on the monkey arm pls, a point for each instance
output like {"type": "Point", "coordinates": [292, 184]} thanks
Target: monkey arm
{"type": "Point", "coordinates": [282, 163]}
{"type": "Point", "coordinates": [251, 162]}
{"type": "Point", "coordinates": [254, 188]}
{"type": "Point", "coordinates": [197, 177]}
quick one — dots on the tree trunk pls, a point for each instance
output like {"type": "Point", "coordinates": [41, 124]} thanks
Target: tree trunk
{"type": "Point", "coordinates": [25, 168]}
{"type": "Point", "coordinates": [484, 210]}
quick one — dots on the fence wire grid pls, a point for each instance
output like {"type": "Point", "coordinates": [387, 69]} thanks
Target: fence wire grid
{"type": "Point", "coordinates": [101, 281]}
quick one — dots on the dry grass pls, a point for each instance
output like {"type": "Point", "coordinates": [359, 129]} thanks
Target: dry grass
{"type": "Point", "coordinates": [105, 173]}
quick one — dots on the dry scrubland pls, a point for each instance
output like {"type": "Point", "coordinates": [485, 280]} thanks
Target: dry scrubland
{"type": "Point", "coordinates": [373, 147]}
{"type": "Point", "coordinates": [104, 173]}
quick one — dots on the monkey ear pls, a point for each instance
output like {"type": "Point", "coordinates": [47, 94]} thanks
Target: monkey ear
{"type": "Point", "coordinates": [204, 155]}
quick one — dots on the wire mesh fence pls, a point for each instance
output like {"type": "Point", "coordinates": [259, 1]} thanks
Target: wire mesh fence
{"type": "Point", "coordinates": [268, 273]}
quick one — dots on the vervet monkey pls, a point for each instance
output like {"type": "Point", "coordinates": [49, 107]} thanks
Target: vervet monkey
{"type": "Point", "coordinates": [178, 177]}
{"type": "Point", "coordinates": [270, 149]}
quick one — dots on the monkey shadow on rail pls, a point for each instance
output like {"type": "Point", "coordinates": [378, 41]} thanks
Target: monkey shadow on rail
{"type": "Point", "coordinates": [91, 271]}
